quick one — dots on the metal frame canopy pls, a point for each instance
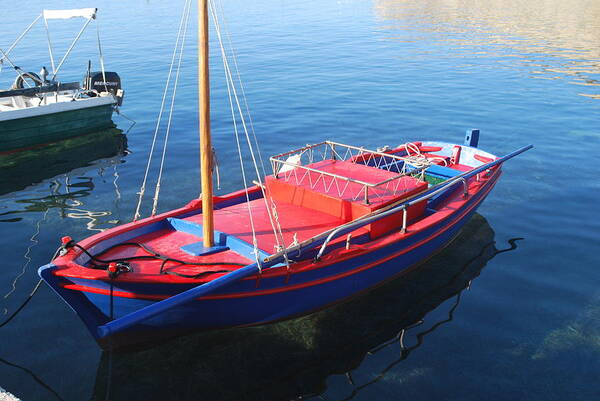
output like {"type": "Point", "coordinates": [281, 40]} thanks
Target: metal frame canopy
{"type": "Point", "coordinates": [88, 14]}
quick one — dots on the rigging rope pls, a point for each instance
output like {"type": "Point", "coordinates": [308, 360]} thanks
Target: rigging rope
{"type": "Point", "coordinates": [276, 227]}
{"type": "Point", "coordinates": [245, 100]}
{"type": "Point", "coordinates": [168, 131]}
{"type": "Point", "coordinates": [235, 129]}
{"type": "Point", "coordinates": [162, 106]}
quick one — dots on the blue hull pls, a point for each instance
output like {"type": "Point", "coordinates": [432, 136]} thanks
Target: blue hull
{"type": "Point", "coordinates": [248, 302]}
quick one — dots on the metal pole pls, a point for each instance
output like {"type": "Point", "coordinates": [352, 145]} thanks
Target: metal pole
{"type": "Point", "coordinates": [5, 56]}
{"type": "Point", "coordinates": [70, 48]}
{"type": "Point", "coordinates": [20, 37]}
{"type": "Point", "coordinates": [49, 45]}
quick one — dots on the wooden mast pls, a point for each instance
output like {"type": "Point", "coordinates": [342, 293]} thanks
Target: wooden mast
{"type": "Point", "coordinates": [204, 117]}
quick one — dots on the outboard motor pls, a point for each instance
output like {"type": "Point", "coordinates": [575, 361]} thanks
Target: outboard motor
{"type": "Point", "coordinates": [95, 81]}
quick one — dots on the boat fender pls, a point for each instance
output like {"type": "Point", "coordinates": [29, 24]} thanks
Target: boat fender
{"type": "Point", "coordinates": [20, 81]}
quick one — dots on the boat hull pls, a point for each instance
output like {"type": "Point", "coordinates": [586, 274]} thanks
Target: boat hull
{"type": "Point", "coordinates": [33, 127]}
{"type": "Point", "coordinates": [251, 302]}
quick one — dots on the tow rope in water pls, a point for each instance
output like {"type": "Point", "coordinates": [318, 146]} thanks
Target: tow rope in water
{"type": "Point", "coordinates": [31, 294]}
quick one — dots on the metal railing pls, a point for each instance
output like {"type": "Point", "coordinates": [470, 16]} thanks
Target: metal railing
{"type": "Point", "coordinates": [325, 237]}
{"type": "Point", "coordinates": [290, 165]}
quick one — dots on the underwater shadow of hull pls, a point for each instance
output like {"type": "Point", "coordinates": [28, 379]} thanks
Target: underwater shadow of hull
{"type": "Point", "coordinates": [295, 357]}
{"type": "Point", "coordinates": [18, 170]}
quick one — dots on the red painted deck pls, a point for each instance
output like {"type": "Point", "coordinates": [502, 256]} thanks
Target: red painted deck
{"type": "Point", "coordinates": [168, 242]}
{"type": "Point", "coordinates": [294, 220]}
{"type": "Point", "coordinates": [313, 206]}
{"type": "Point", "coordinates": [346, 200]}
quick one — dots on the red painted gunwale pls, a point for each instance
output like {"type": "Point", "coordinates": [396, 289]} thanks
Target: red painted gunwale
{"type": "Point", "coordinates": [71, 269]}
{"type": "Point", "coordinates": [337, 256]}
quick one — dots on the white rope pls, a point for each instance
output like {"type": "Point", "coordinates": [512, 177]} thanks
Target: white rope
{"type": "Point", "coordinates": [417, 158]}
{"type": "Point", "coordinates": [187, 8]}
{"type": "Point", "coordinates": [235, 129]}
{"type": "Point", "coordinates": [245, 100]}
{"type": "Point", "coordinates": [274, 222]}
{"type": "Point", "coordinates": [162, 106]}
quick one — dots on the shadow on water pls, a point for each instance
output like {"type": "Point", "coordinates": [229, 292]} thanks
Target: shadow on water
{"type": "Point", "coordinates": [293, 359]}
{"type": "Point", "coordinates": [21, 169]}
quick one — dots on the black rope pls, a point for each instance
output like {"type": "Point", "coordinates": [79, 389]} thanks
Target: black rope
{"type": "Point", "coordinates": [513, 245]}
{"type": "Point", "coordinates": [34, 376]}
{"type": "Point", "coordinates": [98, 263]}
{"type": "Point", "coordinates": [31, 294]}
{"type": "Point", "coordinates": [196, 275]}
{"type": "Point", "coordinates": [22, 305]}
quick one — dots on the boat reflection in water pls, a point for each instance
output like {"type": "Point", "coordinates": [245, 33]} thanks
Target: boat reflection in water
{"type": "Point", "coordinates": [293, 359]}
{"type": "Point", "coordinates": [18, 170]}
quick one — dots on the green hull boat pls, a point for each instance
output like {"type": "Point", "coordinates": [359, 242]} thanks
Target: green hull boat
{"type": "Point", "coordinates": [39, 109]}
{"type": "Point", "coordinates": [37, 126]}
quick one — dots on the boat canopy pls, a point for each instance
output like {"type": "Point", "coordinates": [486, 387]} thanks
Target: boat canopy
{"type": "Point", "coordinates": [88, 13]}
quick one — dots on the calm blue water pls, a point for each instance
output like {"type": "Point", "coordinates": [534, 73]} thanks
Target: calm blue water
{"type": "Point", "coordinates": [363, 72]}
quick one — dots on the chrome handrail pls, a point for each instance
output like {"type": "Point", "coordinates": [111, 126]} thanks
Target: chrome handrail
{"type": "Point", "coordinates": [276, 162]}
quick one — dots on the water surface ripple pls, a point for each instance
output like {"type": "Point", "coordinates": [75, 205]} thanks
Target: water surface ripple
{"type": "Point", "coordinates": [369, 73]}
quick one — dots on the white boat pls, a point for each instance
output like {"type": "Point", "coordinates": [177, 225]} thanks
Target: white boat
{"type": "Point", "coordinates": [39, 109]}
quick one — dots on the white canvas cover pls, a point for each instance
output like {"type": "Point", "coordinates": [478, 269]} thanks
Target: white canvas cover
{"type": "Point", "coordinates": [66, 14]}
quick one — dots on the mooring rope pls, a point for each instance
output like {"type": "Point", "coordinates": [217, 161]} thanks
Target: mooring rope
{"type": "Point", "coordinates": [34, 241]}
{"type": "Point", "coordinates": [31, 294]}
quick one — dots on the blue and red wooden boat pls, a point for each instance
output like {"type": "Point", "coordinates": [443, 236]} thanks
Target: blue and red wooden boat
{"type": "Point", "coordinates": [154, 277]}
{"type": "Point", "coordinates": [332, 221]}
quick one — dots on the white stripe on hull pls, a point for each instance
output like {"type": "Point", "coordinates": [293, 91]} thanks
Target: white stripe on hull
{"type": "Point", "coordinates": [56, 108]}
